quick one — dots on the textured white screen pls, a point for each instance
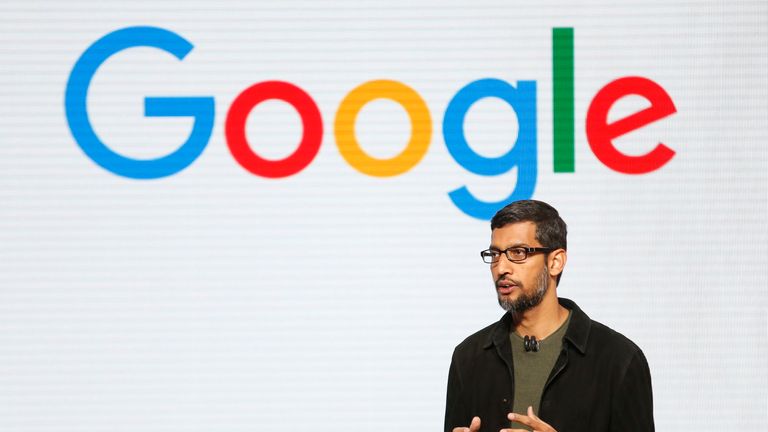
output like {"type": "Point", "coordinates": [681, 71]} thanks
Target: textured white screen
{"type": "Point", "coordinates": [219, 300]}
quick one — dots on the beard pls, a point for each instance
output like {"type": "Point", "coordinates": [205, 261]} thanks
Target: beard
{"type": "Point", "coordinates": [527, 299]}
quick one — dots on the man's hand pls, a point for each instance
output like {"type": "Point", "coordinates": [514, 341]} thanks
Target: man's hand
{"type": "Point", "coordinates": [473, 427]}
{"type": "Point", "coordinates": [531, 420]}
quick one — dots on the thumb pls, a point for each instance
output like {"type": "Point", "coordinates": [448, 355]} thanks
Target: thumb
{"type": "Point", "coordinates": [475, 425]}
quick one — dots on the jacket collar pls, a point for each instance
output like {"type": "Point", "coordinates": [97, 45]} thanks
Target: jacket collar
{"type": "Point", "coordinates": [577, 333]}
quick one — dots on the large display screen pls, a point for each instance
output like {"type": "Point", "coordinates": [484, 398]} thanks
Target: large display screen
{"type": "Point", "coordinates": [250, 215]}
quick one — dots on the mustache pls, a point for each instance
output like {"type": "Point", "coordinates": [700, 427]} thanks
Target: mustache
{"type": "Point", "coordinates": [508, 280]}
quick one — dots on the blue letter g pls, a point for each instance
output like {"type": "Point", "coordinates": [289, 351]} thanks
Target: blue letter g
{"type": "Point", "coordinates": [201, 108]}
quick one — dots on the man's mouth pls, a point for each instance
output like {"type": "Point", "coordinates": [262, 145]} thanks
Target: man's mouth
{"type": "Point", "coordinates": [505, 287]}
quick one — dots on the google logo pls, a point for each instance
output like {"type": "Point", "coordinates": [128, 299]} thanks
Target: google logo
{"type": "Point", "coordinates": [521, 97]}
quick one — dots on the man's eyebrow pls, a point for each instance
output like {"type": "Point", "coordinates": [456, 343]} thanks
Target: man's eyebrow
{"type": "Point", "coordinates": [514, 245]}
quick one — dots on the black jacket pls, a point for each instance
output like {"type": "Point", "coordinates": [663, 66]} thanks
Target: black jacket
{"type": "Point", "coordinates": [600, 382]}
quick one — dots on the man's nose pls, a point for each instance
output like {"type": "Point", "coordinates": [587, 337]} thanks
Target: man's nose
{"type": "Point", "coordinates": [504, 265]}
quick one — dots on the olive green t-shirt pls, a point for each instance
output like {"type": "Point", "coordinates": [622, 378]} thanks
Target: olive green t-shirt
{"type": "Point", "coordinates": [533, 368]}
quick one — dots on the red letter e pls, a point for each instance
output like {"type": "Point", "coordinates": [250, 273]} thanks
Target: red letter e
{"type": "Point", "coordinates": [601, 134]}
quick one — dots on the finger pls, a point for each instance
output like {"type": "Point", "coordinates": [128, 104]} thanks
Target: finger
{"type": "Point", "coordinates": [531, 420]}
{"type": "Point", "coordinates": [528, 421]}
{"type": "Point", "coordinates": [475, 425]}
{"type": "Point", "coordinates": [532, 415]}
{"type": "Point", "coordinates": [540, 424]}
{"type": "Point", "coordinates": [460, 429]}
{"type": "Point", "coordinates": [514, 430]}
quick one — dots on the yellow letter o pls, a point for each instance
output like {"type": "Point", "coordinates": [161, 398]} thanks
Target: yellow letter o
{"type": "Point", "coordinates": [421, 128]}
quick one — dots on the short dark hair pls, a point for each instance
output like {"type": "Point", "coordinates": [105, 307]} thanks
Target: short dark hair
{"type": "Point", "coordinates": [551, 230]}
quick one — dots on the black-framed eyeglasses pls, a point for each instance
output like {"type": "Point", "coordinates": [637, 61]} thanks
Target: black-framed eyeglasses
{"type": "Point", "coordinates": [515, 254]}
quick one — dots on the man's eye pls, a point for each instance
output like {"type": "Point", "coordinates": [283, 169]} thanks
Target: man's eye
{"type": "Point", "coordinates": [517, 253]}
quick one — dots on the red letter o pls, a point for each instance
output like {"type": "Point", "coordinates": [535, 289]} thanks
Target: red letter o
{"type": "Point", "coordinates": [310, 118]}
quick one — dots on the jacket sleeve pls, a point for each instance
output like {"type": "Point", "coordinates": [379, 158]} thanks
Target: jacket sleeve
{"type": "Point", "coordinates": [455, 406]}
{"type": "Point", "coordinates": [632, 407]}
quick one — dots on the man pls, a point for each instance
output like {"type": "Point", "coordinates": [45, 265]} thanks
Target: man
{"type": "Point", "coordinates": [545, 366]}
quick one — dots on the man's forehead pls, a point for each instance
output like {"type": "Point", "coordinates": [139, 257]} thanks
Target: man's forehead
{"type": "Point", "coordinates": [514, 233]}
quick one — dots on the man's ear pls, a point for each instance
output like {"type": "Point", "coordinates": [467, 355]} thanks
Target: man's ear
{"type": "Point", "coordinates": [556, 261]}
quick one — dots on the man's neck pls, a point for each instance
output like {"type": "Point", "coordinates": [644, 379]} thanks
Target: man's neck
{"type": "Point", "coordinates": [541, 320]}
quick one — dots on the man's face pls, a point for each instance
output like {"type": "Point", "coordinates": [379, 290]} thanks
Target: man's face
{"type": "Point", "coordinates": [519, 286]}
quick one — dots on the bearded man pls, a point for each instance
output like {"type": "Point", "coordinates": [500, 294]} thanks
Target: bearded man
{"type": "Point", "coordinates": [545, 366]}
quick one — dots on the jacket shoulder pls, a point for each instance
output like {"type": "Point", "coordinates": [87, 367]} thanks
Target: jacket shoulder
{"type": "Point", "coordinates": [602, 335]}
{"type": "Point", "coordinates": [475, 342]}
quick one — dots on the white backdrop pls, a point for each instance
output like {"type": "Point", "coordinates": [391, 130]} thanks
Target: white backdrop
{"type": "Point", "coordinates": [218, 300]}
